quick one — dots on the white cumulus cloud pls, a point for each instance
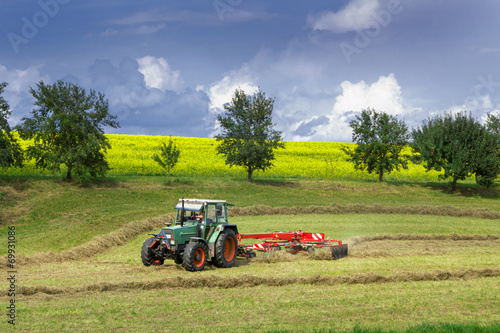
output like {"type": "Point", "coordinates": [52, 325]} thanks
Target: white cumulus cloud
{"type": "Point", "coordinates": [222, 91]}
{"type": "Point", "coordinates": [384, 95]}
{"type": "Point", "coordinates": [158, 74]}
{"type": "Point", "coordinates": [357, 15]}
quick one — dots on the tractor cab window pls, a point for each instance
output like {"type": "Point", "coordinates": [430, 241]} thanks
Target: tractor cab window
{"type": "Point", "coordinates": [187, 216]}
{"type": "Point", "coordinates": [221, 213]}
{"type": "Point", "coordinates": [193, 210]}
{"type": "Point", "coordinates": [216, 213]}
{"type": "Point", "coordinates": [211, 214]}
{"type": "Point", "coordinates": [191, 215]}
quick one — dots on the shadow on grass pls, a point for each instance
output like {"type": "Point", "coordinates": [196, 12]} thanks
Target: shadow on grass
{"type": "Point", "coordinates": [17, 183]}
{"type": "Point", "coordinates": [467, 190]}
{"type": "Point", "coordinates": [23, 183]}
{"type": "Point", "coordinates": [94, 183]}
{"type": "Point", "coordinates": [275, 182]}
{"type": "Point", "coordinates": [463, 189]}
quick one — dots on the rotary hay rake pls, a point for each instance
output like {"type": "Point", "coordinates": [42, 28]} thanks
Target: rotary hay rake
{"type": "Point", "coordinates": [292, 241]}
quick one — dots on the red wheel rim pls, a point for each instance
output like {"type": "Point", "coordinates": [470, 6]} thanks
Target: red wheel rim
{"type": "Point", "coordinates": [199, 257]}
{"type": "Point", "coordinates": [229, 249]}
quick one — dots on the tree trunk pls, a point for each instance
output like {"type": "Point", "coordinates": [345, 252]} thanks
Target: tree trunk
{"type": "Point", "coordinates": [68, 173]}
{"type": "Point", "coordinates": [249, 174]}
{"type": "Point", "coordinates": [381, 176]}
{"type": "Point", "coordinates": [454, 184]}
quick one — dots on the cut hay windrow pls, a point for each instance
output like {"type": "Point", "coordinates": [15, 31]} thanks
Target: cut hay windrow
{"type": "Point", "coordinates": [247, 281]}
{"type": "Point", "coordinates": [357, 240]}
{"type": "Point", "coordinates": [335, 208]}
{"type": "Point", "coordinates": [97, 245]}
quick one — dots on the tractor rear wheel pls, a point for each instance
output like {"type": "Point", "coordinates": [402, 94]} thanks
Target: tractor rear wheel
{"type": "Point", "coordinates": [226, 248]}
{"type": "Point", "coordinates": [195, 257]}
{"type": "Point", "coordinates": [147, 257]}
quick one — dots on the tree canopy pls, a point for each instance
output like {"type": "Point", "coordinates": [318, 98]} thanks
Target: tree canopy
{"type": "Point", "coordinates": [10, 150]}
{"type": "Point", "coordinates": [248, 137]}
{"type": "Point", "coordinates": [493, 124]}
{"type": "Point", "coordinates": [460, 146]}
{"type": "Point", "coordinates": [67, 128]}
{"type": "Point", "coordinates": [380, 139]}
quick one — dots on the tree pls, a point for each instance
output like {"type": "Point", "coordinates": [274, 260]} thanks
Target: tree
{"type": "Point", "coordinates": [10, 150]}
{"type": "Point", "coordinates": [380, 139]}
{"type": "Point", "coordinates": [66, 128]}
{"type": "Point", "coordinates": [460, 146]}
{"type": "Point", "coordinates": [493, 124]}
{"type": "Point", "coordinates": [169, 155]}
{"type": "Point", "coordinates": [248, 137]}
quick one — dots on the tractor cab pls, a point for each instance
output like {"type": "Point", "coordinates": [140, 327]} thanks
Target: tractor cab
{"type": "Point", "coordinates": [207, 212]}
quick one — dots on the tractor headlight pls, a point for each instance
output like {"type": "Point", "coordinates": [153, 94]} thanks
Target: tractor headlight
{"type": "Point", "coordinates": [172, 242]}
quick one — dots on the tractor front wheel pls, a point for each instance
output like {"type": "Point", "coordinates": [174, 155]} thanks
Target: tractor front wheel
{"type": "Point", "coordinates": [195, 257]}
{"type": "Point", "coordinates": [147, 257]}
{"type": "Point", "coordinates": [226, 248]}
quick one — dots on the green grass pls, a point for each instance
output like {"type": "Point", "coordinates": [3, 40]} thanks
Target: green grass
{"type": "Point", "coordinates": [60, 215]}
{"type": "Point", "coordinates": [427, 285]}
{"type": "Point", "coordinates": [344, 226]}
{"type": "Point", "coordinates": [260, 309]}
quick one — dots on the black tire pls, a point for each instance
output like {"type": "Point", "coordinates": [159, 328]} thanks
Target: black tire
{"type": "Point", "coordinates": [226, 249]}
{"type": "Point", "coordinates": [195, 257]}
{"type": "Point", "coordinates": [178, 259]}
{"type": "Point", "coordinates": [147, 257]}
{"type": "Point", "coordinates": [339, 251]}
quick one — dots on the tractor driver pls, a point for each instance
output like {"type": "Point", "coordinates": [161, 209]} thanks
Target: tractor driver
{"type": "Point", "coordinates": [201, 215]}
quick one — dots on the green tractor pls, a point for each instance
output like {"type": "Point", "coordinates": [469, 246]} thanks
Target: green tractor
{"type": "Point", "coordinates": [199, 233]}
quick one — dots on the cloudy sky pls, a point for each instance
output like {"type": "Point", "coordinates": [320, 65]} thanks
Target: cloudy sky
{"type": "Point", "coordinates": [168, 67]}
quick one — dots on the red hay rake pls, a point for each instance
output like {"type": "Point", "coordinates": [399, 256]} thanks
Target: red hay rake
{"type": "Point", "coordinates": [292, 241]}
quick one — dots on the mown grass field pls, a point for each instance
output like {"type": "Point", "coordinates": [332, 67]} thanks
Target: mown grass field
{"type": "Point", "coordinates": [419, 255]}
{"type": "Point", "coordinates": [421, 258]}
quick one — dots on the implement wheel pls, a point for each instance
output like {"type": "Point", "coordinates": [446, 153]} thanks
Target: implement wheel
{"type": "Point", "coordinates": [339, 251]}
{"type": "Point", "coordinates": [147, 257]}
{"type": "Point", "coordinates": [226, 248]}
{"type": "Point", "coordinates": [195, 257]}
{"type": "Point", "coordinates": [178, 258]}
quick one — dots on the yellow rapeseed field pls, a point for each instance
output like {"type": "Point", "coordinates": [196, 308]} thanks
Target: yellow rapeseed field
{"type": "Point", "coordinates": [132, 155]}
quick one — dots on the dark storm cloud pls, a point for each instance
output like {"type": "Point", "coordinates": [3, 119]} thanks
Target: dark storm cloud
{"type": "Point", "coordinates": [145, 110]}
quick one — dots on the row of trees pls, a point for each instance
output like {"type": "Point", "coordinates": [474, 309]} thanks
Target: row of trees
{"type": "Point", "coordinates": [456, 144]}
{"type": "Point", "coordinates": [66, 128]}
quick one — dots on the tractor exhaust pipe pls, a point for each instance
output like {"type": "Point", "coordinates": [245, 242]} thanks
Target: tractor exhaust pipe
{"type": "Point", "coordinates": [182, 213]}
